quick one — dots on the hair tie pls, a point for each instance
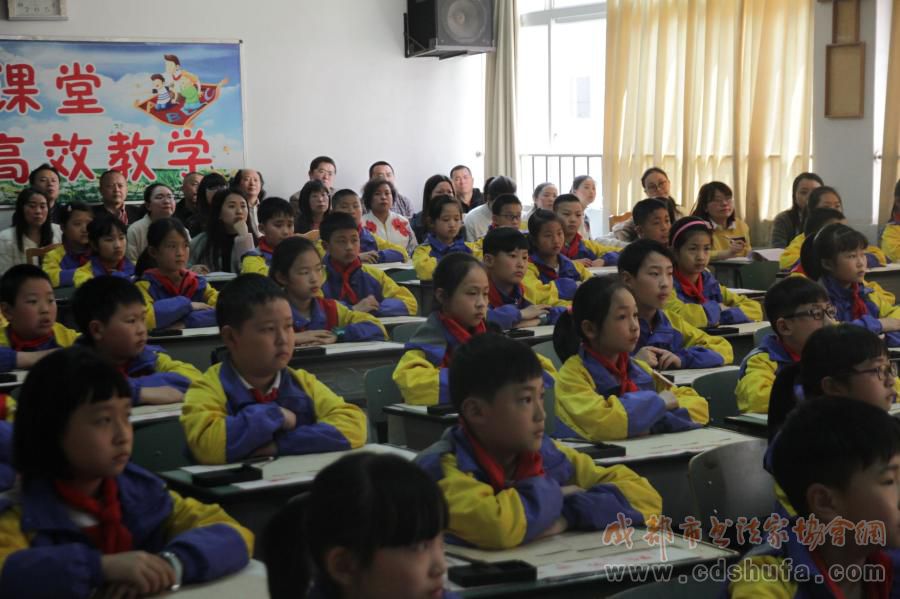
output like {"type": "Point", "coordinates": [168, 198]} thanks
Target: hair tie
{"type": "Point", "coordinates": [688, 225]}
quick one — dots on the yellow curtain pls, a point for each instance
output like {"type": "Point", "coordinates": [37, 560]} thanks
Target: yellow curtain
{"type": "Point", "coordinates": [708, 90]}
{"type": "Point", "coordinates": [500, 157]}
{"type": "Point", "coordinates": [890, 148]}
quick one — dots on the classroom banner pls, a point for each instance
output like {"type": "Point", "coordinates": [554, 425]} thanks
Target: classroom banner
{"type": "Point", "coordinates": [152, 110]}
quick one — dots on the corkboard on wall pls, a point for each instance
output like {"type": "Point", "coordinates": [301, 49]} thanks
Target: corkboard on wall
{"type": "Point", "coordinates": [845, 71]}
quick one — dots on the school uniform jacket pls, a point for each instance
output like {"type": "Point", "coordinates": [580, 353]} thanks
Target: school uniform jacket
{"type": "Point", "coordinates": [877, 306]}
{"type": "Point", "coordinates": [327, 315]}
{"type": "Point", "coordinates": [740, 308]}
{"type": "Point", "coordinates": [393, 299]}
{"type": "Point", "coordinates": [7, 413]}
{"type": "Point", "coordinates": [890, 241]}
{"type": "Point", "coordinates": [580, 248]}
{"type": "Point", "coordinates": [165, 308]}
{"type": "Point", "coordinates": [427, 255]}
{"type": "Point", "coordinates": [154, 368]}
{"type": "Point", "coordinates": [60, 265]}
{"type": "Point", "coordinates": [722, 237]}
{"type": "Point", "coordinates": [565, 278]}
{"type": "Point", "coordinates": [61, 336]}
{"type": "Point", "coordinates": [502, 518]}
{"type": "Point", "coordinates": [258, 260]}
{"type": "Point", "coordinates": [590, 404]}
{"type": "Point", "coordinates": [94, 268]}
{"type": "Point", "coordinates": [695, 348]}
{"type": "Point", "coordinates": [505, 310]}
{"type": "Point", "coordinates": [224, 423]}
{"type": "Point", "coordinates": [790, 258]}
{"type": "Point", "coordinates": [370, 242]}
{"type": "Point", "coordinates": [420, 374]}
{"type": "Point", "coordinates": [44, 554]}
{"type": "Point", "coordinates": [758, 372]}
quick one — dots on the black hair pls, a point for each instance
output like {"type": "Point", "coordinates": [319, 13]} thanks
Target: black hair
{"type": "Point", "coordinates": [507, 199]}
{"type": "Point", "coordinates": [591, 303]}
{"type": "Point", "coordinates": [103, 225]}
{"type": "Point", "coordinates": [566, 198]}
{"type": "Point", "coordinates": [644, 209]}
{"type": "Point", "coordinates": [65, 212]}
{"type": "Point", "coordinates": [13, 279]}
{"type": "Point", "coordinates": [18, 218]}
{"type": "Point", "coordinates": [379, 163]}
{"type": "Point", "coordinates": [827, 441]}
{"type": "Point", "coordinates": [219, 242]}
{"type": "Point", "coordinates": [635, 253]}
{"type": "Point", "coordinates": [786, 295]}
{"type": "Point", "coordinates": [32, 176]}
{"type": "Point", "coordinates": [539, 189]}
{"type": "Point", "coordinates": [54, 388]}
{"type": "Point", "coordinates": [362, 502]}
{"type": "Point", "coordinates": [318, 160]}
{"type": "Point", "coordinates": [436, 207]}
{"type": "Point", "coordinates": [109, 172]}
{"type": "Point", "coordinates": [235, 183]}
{"type": "Point", "coordinates": [148, 191]}
{"type": "Point", "coordinates": [830, 241]}
{"type": "Point", "coordinates": [99, 298]}
{"type": "Point", "coordinates": [430, 184]}
{"type": "Point", "coordinates": [504, 239]}
{"type": "Point", "coordinates": [706, 194]}
{"type": "Point", "coordinates": [499, 186]}
{"type": "Point", "coordinates": [240, 296]}
{"type": "Point", "coordinates": [340, 194]}
{"type": "Point", "coordinates": [209, 181]}
{"type": "Point", "coordinates": [305, 217]}
{"type": "Point", "coordinates": [274, 207]}
{"type": "Point", "coordinates": [683, 228]}
{"type": "Point", "coordinates": [818, 218]}
{"type": "Point", "coordinates": [372, 186]}
{"type": "Point", "coordinates": [815, 197]}
{"type": "Point", "coordinates": [796, 212]}
{"type": "Point", "coordinates": [450, 272]}
{"type": "Point", "coordinates": [459, 166]}
{"type": "Point", "coordinates": [577, 181]}
{"type": "Point", "coordinates": [334, 222]}
{"type": "Point", "coordinates": [897, 189]}
{"type": "Point", "coordinates": [536, 222]}
{"type": "Point", "coordinates": [156, 232]}
{"type": "Point", "coordinates": [830, 351]}
{"type": "Point", "coordinates": [286, 253]}
{"type": "Point", "coordinates": [486, 364]}
{"type": "Point", "coordinates": [650, 171]}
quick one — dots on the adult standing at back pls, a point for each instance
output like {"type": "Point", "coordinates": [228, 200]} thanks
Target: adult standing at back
{"type": "Point", "coordinates": [402, 204]}
{"type": "Point", "coordinates": [113, 193]}
{"type": "Point", "coordinates": [187, 208]}
{"type": "Point", "coordinates": [464, 186]}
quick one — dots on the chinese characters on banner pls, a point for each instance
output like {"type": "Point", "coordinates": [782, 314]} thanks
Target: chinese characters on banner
{"type": "Point", "coordinates": [168, 109]}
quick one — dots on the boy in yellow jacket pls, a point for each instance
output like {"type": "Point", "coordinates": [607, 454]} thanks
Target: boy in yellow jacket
{"type": "Point", "coordinates": [253, 404]}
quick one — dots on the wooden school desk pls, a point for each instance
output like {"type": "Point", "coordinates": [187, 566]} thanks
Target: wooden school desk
{"type": "Point", "coordinates": [159, 442]}
{"type": "Point", "coordinates": [343, 367]}
{"type": "Point", "coordinates": [249, 582]}
{"type": "Point", "coordinates": [194, 346]}
{"type": "Point", "coordinates": [220, 279]}
{"type": "Point", "coordinates": [886, 276]}
{"type": "Point", "coordinates": [19, 375]}
{"type": "Point", "coordinates": [742, 341]}
{"type": "Point", "coordinates": [253, 503]}
{"type": "Point", "coordinates": [684, 378]}
{"type": "Point", "coordinates": [413, 427]}
{"type": "Point", "coordinates": [423, 291]}
{"type": "Point", "coordinates": [756, 425]}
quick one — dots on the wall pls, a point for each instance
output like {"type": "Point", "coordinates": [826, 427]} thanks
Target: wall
{"type": "Point", "coordinates": [320, 78]}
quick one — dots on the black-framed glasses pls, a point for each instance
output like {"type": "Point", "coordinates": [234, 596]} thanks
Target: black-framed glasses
{"type": "Point", "coordinates": [885, 373]}
{"type": "Point", "coordinates": [816, 313]}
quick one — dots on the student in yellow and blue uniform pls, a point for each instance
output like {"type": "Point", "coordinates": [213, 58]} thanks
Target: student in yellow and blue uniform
{"type": "Point", "coordinates": [253, 404]}
{"type": "Point", "coordinates": [731, 235]}
{"type": "Point", "coordinates": [85, 522]}
{"type": "Point", "coordinates": [276, 223]}
{"type": "Point", "coordinates": [546, 262]}
{"type": "Point", "coordinates": [602, 392]}
{"type": "Point", "coordinates": [174, 295]}
{"type": "Point", "coordinates": [445, 215]}
{"type": "Point", "coordinates": [297, 269]}
{"type": "Point", "coordinates": [505, 481]}
{"type": "Point", "coordinates": [7, 413]}
{"type": "Point", "coordinates": [890, 237]}
{"type": "Point", "coordinates": [796, 307]}
{"type": "Point", "coordinates": [587, 251]}
{"type": "Point", "coordinates": [372, 248]}
{"type": "Point", "coordinates": [837, 261]}
{"type": "Point", "coordinates": [817, 220]}
{"type": "Point", "coordinates": [360, 287]}
{"type": "Point", "coordinates": [382, 511]}
{"type": "Point", "coordinates": [62, 262]}
{"type": "Point", "coordinates": [837, 462]}
{"type": "Point", "coordinates": [666, 340]}
{"type": "Point", "coordinates": [652, 220]}
{"type": "Point", "coordinates": [29, 305]}
{"type": "Point", "coordinates": [110, 313]}
{"type": "Point", "coordinates": [506, 212]}
{"type": "Point", "coordinates": [697, 296]}
{"type": "Point", "coordinates": [106, 234]}
{"type": "Point", "coordinates": [512, 301]}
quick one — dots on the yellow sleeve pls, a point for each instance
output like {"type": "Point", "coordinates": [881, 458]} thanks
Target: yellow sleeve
{"type": "Point", "coordinates": [749, 579]}
{"type": "Point", "coordinates": [876, 251]}
{"type": "Point", "coordinates": [583, 272]}
{"type": "Point", "coordinates": [82, 274]}
{"type": "Point", "coordinates": [383, 244]}
{"type": "Point", "coordinates": [752, 309]}
{"type": "Point", "coordinates": [320, 248]}
{"type": "Point", "coordinates": [347, 316]}
{"type": "Point", "coordinates": [418, 379]}
{"type": "Point", "coordinates": [8, 405]}
{"type": "Point", "coordinates": [539, 293]}
{"type": "Point", "coordinates": [791, 253]}
{"type": "Point", "coordinates": [887, 295]}
{"type": "Point", "coordinates": [51, 263]}
{"type": "Point", "coordinates": [476, 250]}
{"type": "Point", "coordinates": [581, 408]}
{"type": "Point", "coordinates": [696, 405]}
{"type": "Point", "coordinates": [254, 264]}
{"type": "Point", "coordinates": [165, 363]}
{"type": "Point", "coordinates": [478, 515]}
{"type": "Point", "coordinates": [210, 295]}
{"type": "Point", "coordinates": [424, 262]}
{"type": "Point", "coordinates": [754, 388]}
{"type": "Point", "coordinates": [392, 290]}
{"type": "Point", "coordinates": [12, 538]}
{"type": "Point", "coordinates": [884, 301]}
{"type": "Point", "coordinates": [203, 418]}
{"type": "Point", "coordinates": [695, 337]}
{"type": "Point", "coordinates": [331, 409]}
{"type": "Point", "coordinates": [65, 336]}
{"type": "Point", "coordinates": [693, 314]}
{"type": "Point", "coordinates": [188, 514]}
{"type": "Point", "coordinates": [149, 313]}
{"type": "Point", "coordinates": [890, 242]}
{"type": "Point", "coordinates": [636, 489]}
{"type": "Point", "coordinates": [598, 248]}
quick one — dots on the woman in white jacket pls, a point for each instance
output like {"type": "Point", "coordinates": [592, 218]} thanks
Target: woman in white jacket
{"type": "Point", "coordinates": [31, 228]}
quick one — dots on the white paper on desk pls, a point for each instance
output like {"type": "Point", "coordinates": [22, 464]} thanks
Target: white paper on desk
{"type": "Point", "coordinates": [395, 320]}
{"type": "Point", "coordinates": [392, 266]}
{"type": "Point", "coordinates": [767, 254]}
{"type": "Point", "coordinates": [359, 346]}
{"type": "Point", "coordinates": [410, 408]}
{"type": "Point", "coordinates": [742, 291]}
{"type": "Point", "coordinates": [159, 412]}
{"type": "Point", "coordinates": [249, 582]}
{"type": "Point", "coordinates": [599, 271]}
{"type": "Point", "coordinates": [760, 418]}
{"type": "Point", "coordinates": [689, 375]}
{"type": "Point", "coordinates": [747, 328]}
{"type": "Point", "coordinates": [672, 444]}
{"type": "Point", "coordinates": [220, 275]}
{"type": "Point", "coordinates": [641, 557]}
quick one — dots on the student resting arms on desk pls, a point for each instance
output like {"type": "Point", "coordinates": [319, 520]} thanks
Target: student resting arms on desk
{"type": "Point", "coordinates": [372, 248]}
{"type": "Point", "coordinates": [506, 212]}
{"type": "Point", "coordinates": [110, 313]}
{"type": "Point", "coordinates": [253, 404]}
{"type": "Point", "coordinates": [358, 286]}
{"type": "Point", "coordinates": [587, 251]}
{"type": "Point", "coordinates": [666, 340]}
{"type": "Point", "coordinates": [602, 393]}
{"type": "Point", "coordinates": [84, 522]}
{"type": "Point", "coordinates": [546, 261]}
{"type": "Point", "coordinates": [731, 235]}
{"type": "Point", "coordinates": [276, 223]}
{"type": "Point", "coordinates": [445, 222]}
{"type": "Point", "coordinates": [175, 296]}
{"type": "Point", "coordinates": [106, 234]}
{"type": "Point", "coordinates": [697, 296]}
{"type": "Point", "coordinates": [29, 306]}
{"type": "Point", "coordinates": [61, 263]}
{"type": "Point", "coordinates": [371, 526]}
{"type": "Point", "coordinates": [297, 268]}
{"type": "Point", "coordinates": [505, 481]}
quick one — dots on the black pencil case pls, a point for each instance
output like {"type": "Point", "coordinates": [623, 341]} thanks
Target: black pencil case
{"type": "Point", "coordinates": [597, 450]}
{"type": "Point", "coordinates": [229, 476]}
{"type": "Point", "coordinates": [166, 333]}
{"type": "Point", "coordinates": [484, 573]}
{"type": "Point", "coordinates": [721, 331]}
{"type": "Point", "coordinates": [307, 352]}
{"type": "Point", "coordinates": [519, 333]}
{"type": "Point", "coordinates": [441, 409]}
{"type": "Point", "coordinates": [8, 377]}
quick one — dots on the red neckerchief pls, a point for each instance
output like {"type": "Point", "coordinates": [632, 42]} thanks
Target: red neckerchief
{"type": "Point", "coordinates": [190, 282]}
{"type": "Point", "coordinates": [264, 398]}
{"type": "Point", "coordinates": [860, 308]}
{"type": "Point", "coordinates": [872, 589]}
{"type": "Point", "coordinates": [571, 251]}
{"type": "Point", "coordinates": [529, 464]}
{"type": "Point", "coordinates": [264, 246]}
{"type": "Point", "coordinates": [795, 357]}
{"type": "Point", "coordinates": [458, 332]}
{"type": "Point", "coordinates": [4, 406]}
{"type": "Point", "coordinates": [494, 297]}
{"type": "Point", "coordinates": [110, 535]}
{"type": "Point", "coordinates": [619, 370]}
{"type": "Point", "coordinates": [798, 268]}
{"type": "Point", "coordinates": [691, 289]}
{"type": "Point", "coordinates": [19, 344]}
{"type": "Point", "coordinates": [346, 272]}
{"type": "Point", "coordinates": [545, 270]}
{"type": "Point", "coordinates": [329, 307]}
